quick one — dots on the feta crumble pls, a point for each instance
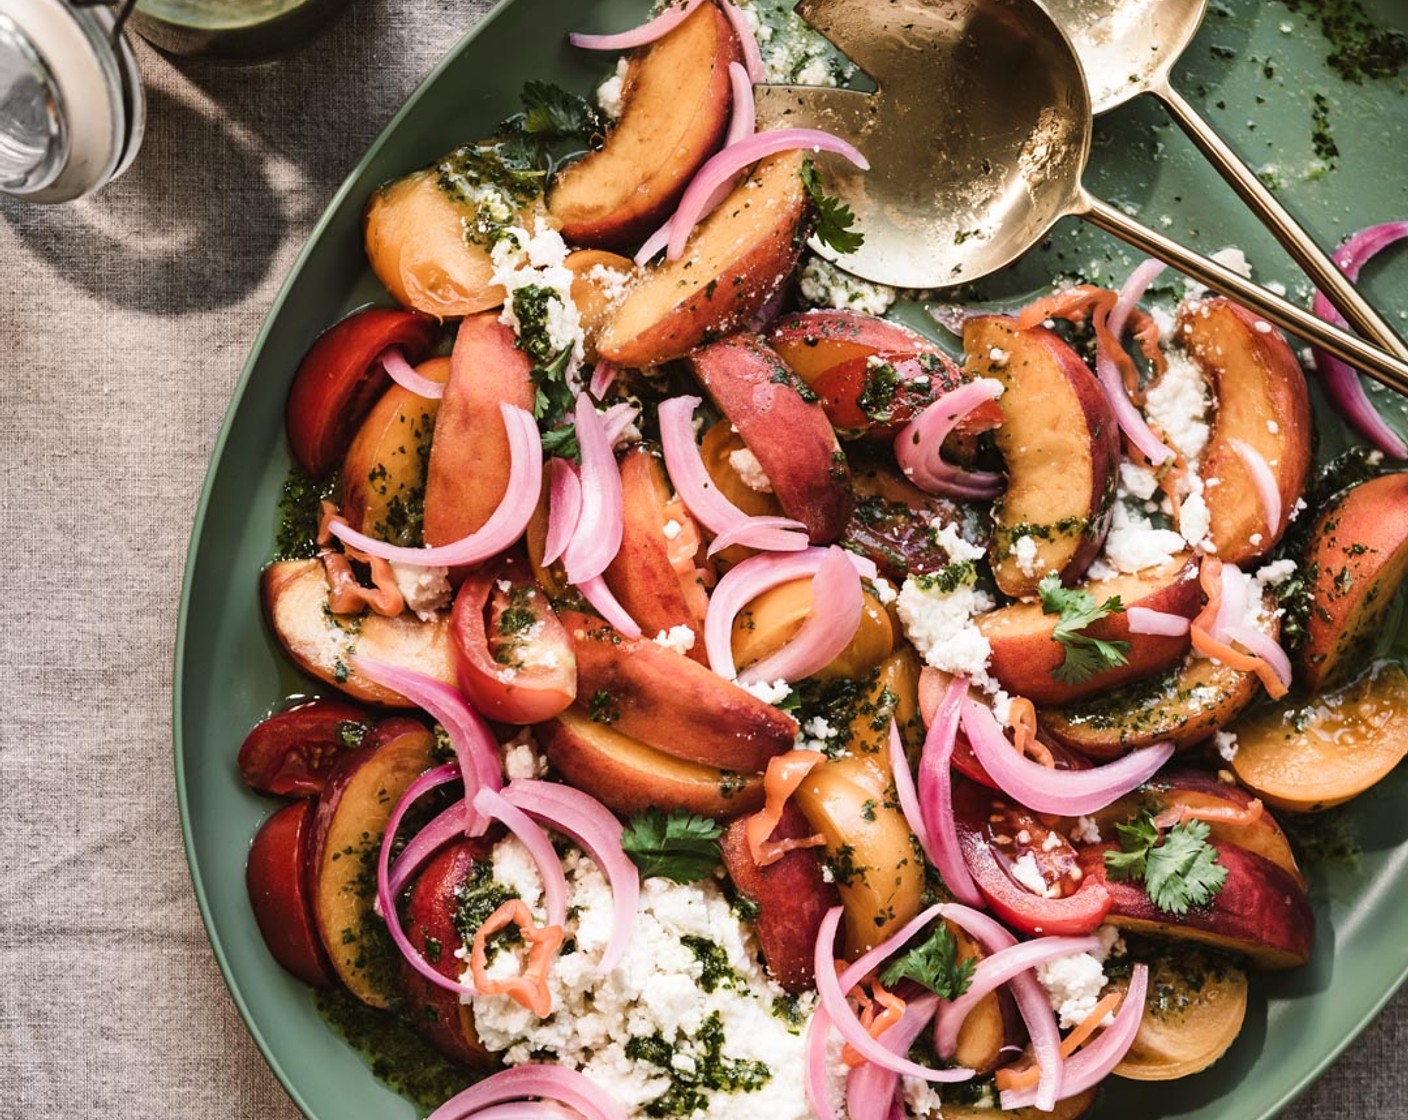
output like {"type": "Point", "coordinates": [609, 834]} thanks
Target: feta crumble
{"type": "Point", "coordinates": [1086, 831]}
{"type": "Point", "coordinates": [1073, 984]}
{"type": "Point", "coordinates": [1024, 551]}
{"type": "Point", "coordinates": [1178, 403]}
{"type": "Point", "coordinates": [774, 693]}
{"type": "Point", "coordinates": [1026, 872]}
{"type": "Point", "coordinates": [610, 95]}
{"type": "Point", "coordinates": [425, 590]}
{"type": "Point", "coordinates": [522, 759]}
{"type": "Point", "coordinates": [822, 284]}
{"type": "Point", "coordinates": [523, 260]}
{"type": "Point", "coordinates": [1226, 743]}
{"type": "Point", "coordinates": [1133, 543]}
{"type": "Point", "coordinates": [745, 464]}
{"type": "Point", "coordinates": [677, 638]}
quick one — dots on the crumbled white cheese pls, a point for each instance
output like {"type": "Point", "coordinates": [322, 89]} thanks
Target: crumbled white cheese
{"type": "Point", "coordinates": [1195, 521]}
{"type": "Point", "coordinates": [655, 990]}
{"type": "Point", "coordinates": [1024, 551]}
{"type": "Point", "coordinates": [1276, 573]}
{"type": "Point", "coordinates": [1086, 831]}
{"type": "Point", "coordinates": [610, 95]}
{"type": "Point", "coordinates": [1137, 482]}
{"type": "Point", "coordinates": [998, 356]}
{"type": "Point", "coordinates": [921, 1098]}
{"type": "Point", "coordinates": [939, 624]}
{"type": "Point", "coordinates": [1229, 257]}
{"type": "Point", "coordinates": [884, 591]}
{"type": "Point", "coordinates": [672, 529]}
{"type": "Point", "coordinates": [678, 638]}
{"type": "Point", "coordinates": [947, 536]}
{"type": "Point", "coordinates": [425, 590]}
{"type": "Point", "coordinates": [745, 464]}
{"type": "Point", "coordinates": [521, 757]}
{"type": "Point", "coordinates": [613, 283]}
{"type": "Point", "coordinates": [1178, 403]}
{"type": "Point", "coordinates": [1026, 872]}
{"type": "Point", "coordinates": [1133, 544]}
{"type": "Point", "coordinates": [793, 53]}
{"type": "Point", "coordinates": [1226, 743]}
{"type": "Point", "coordinates": [522, 260]}
{"type": "Point", "coordinates": [1073, 985]}
{"type": "Point", "coordinates": [773, 693]}
{"type": "Point", "coordinates": [822, 284]}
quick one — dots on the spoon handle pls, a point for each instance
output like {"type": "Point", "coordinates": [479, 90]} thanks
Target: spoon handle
{"type": "Point", "coordinates": [1299, 244]}
{"type": "Point", "coordinates": [1385, 368]}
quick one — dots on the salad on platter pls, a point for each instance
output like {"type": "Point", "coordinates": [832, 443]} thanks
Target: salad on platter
{"type": "Point", "coordinates": [733, 702]}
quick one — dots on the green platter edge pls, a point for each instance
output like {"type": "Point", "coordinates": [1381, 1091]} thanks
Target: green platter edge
{"type": "Point", "coordinates": [1255, 68]}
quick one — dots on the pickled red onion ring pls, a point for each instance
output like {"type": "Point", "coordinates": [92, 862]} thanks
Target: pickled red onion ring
{"type": "Point", "coordinates": [1262, 645]}
{"type": "Point", "coordinates": [870, 1090]}
{"type": "Point", "coordinates": [1144, 620]}
{"type": "Point", "coordinates": [752, 56]}
{"type": "Point", "coordinates": [545, 1082]}
{"type": "Point", "coordinates": [505, 524]}
{"type": "Point", "coordinates": [493, 805]}
{"type": "Point", "coordinates": [647, 32]}
{"type": "Point", "coordinates": [564, 508]}
{"type": "Point", "coordinates": [838, 604]}
{"type": "Point", "coordinates": [1131, 291]}
{"type": "Point", "coordinates": [404, 374]}
{"type": "Point", "coordinates": [600, 524]}
{"type": "Point", "coordinates": [936, 795]}
{"type": "Point", "coordinates": [1267, 489]}
{"type": "Point", "coordinates": [919, 445]}
{"type": "Point", "coordinates": [599, 595]}
{"type": "Point", "coordinates": [603, 376]}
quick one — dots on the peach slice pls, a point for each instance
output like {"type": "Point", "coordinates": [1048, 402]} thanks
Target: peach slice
{"type": "Point", "coordinates": [1261, 401]}
{"type": "Point", "coordinates": [1261, 912]}
{"type": "Point", "coordinates": [1184, 706]}
{"type": "Point", "coordinates": [644, 577]}
{"type": "Point", "coordinates": [415, 233]}
{"type": "Point", "coordinates": [1356, 560]}
{"type": "Point", "coordinates": [1061, 447]}
{"type": "Point", "coordinates": [469, 460]}
{"type": "Point", "coordinates": [383, 473]}
{"type": "Point", "coordinates": [790, 898]}
{"type": "Point", "coordinates": [431, 927]}
{"type": "Point", "coordinates": [778, 417]}
{"type": "Point", "coordinates": [626, 775]}
{"type": "Point", "coordinates": [673, 704]}
{"type": "Point", "coordinates": [737, 259]}
{"type": "Point", "coordinates": [676, 109]}
{"type": "Point", "coordinates": [1308, 755]}
{"type": "Point", "coordinates": [1025, 653]}
{"type": "Point", "coordinates": [772, 619]}
{"type": "Point", "coordinates": [362, 791]}
{"type": "Point", "coordinates": [322, 644]}
{"type": "Point", "coordinates": [1197, 1016]}
{"type": "Point", "coordinates": [815, 342]}
{"type": "Point", "coordinates": [1072, 1108]}
{"type": "Point", "coordinates": [599, 283]}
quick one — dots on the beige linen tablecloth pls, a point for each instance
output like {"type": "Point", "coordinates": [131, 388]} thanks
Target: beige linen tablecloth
{"type": "Point", "coordinates": [124, 322]}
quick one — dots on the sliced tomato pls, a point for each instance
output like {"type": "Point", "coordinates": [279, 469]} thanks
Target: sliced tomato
{"type": "Point", "coordinates": [877, 394]}
{"type": "Point", "coordinates": [996, 836]}
{"type": "Point", "coordinates": [290, 754]}
{"type": "Point", "coordinates": [340, 379]}
{"type": "Point", "coordinates": [277, 878]}
{"type": "Point", "coordinates": [515, 659]}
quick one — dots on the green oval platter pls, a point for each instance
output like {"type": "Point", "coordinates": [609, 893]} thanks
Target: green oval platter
{"type": "Point", "coordinates": [1256, 69]}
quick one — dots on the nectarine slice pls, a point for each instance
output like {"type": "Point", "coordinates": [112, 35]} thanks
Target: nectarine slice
{"type": "Point", "coordinates": [469, 461]}
{"type": "Point", "coordinates": [1262, 401]}
{"type": "Point", "coordinates": [1025, 652]}
{"type": "Point", "coordinates": [676, 104]}
{"type": "Point", "coordinates": [628, 776]}
{"type": "Point", "coordinates": [352, 814]}
{"type": "Point", "coordinates": [323, 644]}
{"type": "Point", "coordinates": [1072, 1108]}
{"type": "Point", "coordinates": [785, 428]}
{"type": "Point", "coordinates": [599, 283]}
{"type": "Point", "coordinates": [815, 342]}
{"type": "Point", "coordinates": [383, 473]}
{"type": "Point", "coordinates": [1061, 447]}
{"type": "Point", "coordinates": [772, 619]}
{"type": "Point", "coordinates": [1355, 562]}
{"type": "Point", "coordinates": [737, 258]}
{"type": "Point", "coordinates": [1308, 755]}
{"type": "Point", "coordinates": [671, 703]}
{"type": "Point", "coordinates": [277, 876]}
{"type": "Point", "coordinates": [1197, 1014]}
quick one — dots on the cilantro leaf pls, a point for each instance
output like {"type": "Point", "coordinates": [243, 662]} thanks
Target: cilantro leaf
{"type": "Point", "coordinates": [552, 113]}
{"type": "Point", "coordinates": [562, 442]}
{"type": "Point", "coordinates": [680, 847]}
{"type": "Point", "coordinates": [1179, 872]}
{"type": "Point", "coordinates": [553, 397]}
{"type": "Point", "coordinates": [933, 963]}
{"type": "Point", "coordinates": [1085, 655]}
{"type": "Point", "coordinates": [834, 218]}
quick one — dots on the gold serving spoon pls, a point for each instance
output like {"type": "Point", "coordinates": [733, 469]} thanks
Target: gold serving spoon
{"type": "Point", "coordinates": [978, 136]}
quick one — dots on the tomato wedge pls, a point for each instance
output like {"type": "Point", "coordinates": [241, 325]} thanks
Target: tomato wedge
{"type": "Point", "coordinates": [515, 659]}
{"type": "Point", "coordinates": [878, 394]}
{"type": "Point", "coordinates": [340, 379]}
{"type": "Point", "coordinates": [290, 754]}
{"type": "Point", "coordinates": [996, 836]}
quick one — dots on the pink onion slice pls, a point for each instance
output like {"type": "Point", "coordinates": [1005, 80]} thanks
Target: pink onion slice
{"type": "Point", "coordinates": [603, 377]}
{"type": "Point", "coordinates": [1232, 611]}
{"type": "Point", "coordinates": [386, 892]}
{"type": "Point", "coordinates": [743, 583]}
{"type": "Point", "coordinates": [953, 317]}
{"type": "Point", "coordinates": [447, 826]}
{"type": "Point", "coordinates": [1131, 292]}
{"type": "Point", "coordinates": [743, 122]}
{"type": "Point", "coordinates": [765, 528]}
{"type": "Point", "coordinates": [652, 245]}
{"type": "Point", "coordinates": [600, 524]}
{"type": "Point", "coordinates": [617, 420]}
{"type": "Point", "coordinates": [919, 445]}
{"type": "Point", "coordinates": [564, 508]}
{"type": "Point", "coordinates": [721, 168]}
{"type": "Point", "coordinates": [752, 56]}
{"type": "Point", "coordinates": [870, 1090]}
{"type": "Point", "coordinates": [1342, 384]}
{"type": "Point", "coordinates": [701, 497]}
{"type": "Point", "coordinates": [1268, 491]}
{"type": "Point", "coordinates": [997, 969]}
{"type": "Point", "coordinates": [838, 603]}
{"type": "Point", "coordinates": [1068, 793]}
{"type": "Point", "coordinates": [597, 831]}
{"type": "Point", "coordinates": [648, 32]}
{"type": "Point", "coordinates": [526, 1110]}
{"type": "Point", "coordinates": [1030, 997]}
{"type": "Point", "coordinates": [475, 747]}
{"type": "Point", "coordinates": [1264, 646]}
{"type": "Point", "coordinates": [598, 594]}
{"type": "Point", "coordinates": [492, 804]}
{"type": "Point", "coordinates": [905, 791]}
{"type": "Point", "coordinates": [818, 1083]}
{"type": "Point", "coordinates": [936, 796]}
{"type": "Point", "coordinates": [1130, 420]}
{"type": "Point", "coordinates": [832, 993]}
{"type": "Point", "coordinates": [1144, 620]}
{"type": "Point", "coordinates": [404, 374]}
{"type": "Point", "coordinates": [544, 1082]}
{"type": "Point", "coordinates": [505, 524]}
{"type": "Point", "coordinates": [1092, 1064]}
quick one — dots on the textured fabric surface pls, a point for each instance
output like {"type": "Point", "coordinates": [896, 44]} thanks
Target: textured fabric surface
{"type": "Point", "coordinates": [124, 321]}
